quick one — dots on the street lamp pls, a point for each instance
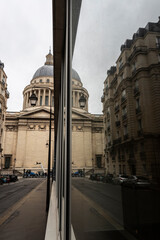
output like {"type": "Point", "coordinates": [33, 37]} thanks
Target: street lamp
{"type": "Point", "coordinates": [33, 100]}
{"type": "Point", "coordinates": [82, 101]}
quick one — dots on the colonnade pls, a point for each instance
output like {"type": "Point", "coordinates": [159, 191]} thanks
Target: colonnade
{"type": "Point", "coordinates": [45, 96]}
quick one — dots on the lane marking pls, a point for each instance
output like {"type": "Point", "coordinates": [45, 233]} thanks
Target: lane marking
{"type": "Point", "coordinates": [17, 205]}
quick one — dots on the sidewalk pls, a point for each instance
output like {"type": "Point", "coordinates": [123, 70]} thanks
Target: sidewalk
{"type": "Point", "coordinates": [28, 221]}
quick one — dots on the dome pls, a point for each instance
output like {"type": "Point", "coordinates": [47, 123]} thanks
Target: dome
{"type": "Point", "coordinates": [47, 71]}
{"type": "Point", "coordinates": [44, 71]}
{"type": "Point", "coordinates": [75, 75]}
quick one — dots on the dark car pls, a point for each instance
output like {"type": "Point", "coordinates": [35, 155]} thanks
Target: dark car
{"type": "Point", "coordinates": [108, 178]}
{"type": "Point", "coordinates": [137, 182]}
{"type": "Point", "coordinates": [1, 180]}
{"type": "Point", "coordinates": [13, 178]}
{"type": "Point", "coordinates": [97, 177]}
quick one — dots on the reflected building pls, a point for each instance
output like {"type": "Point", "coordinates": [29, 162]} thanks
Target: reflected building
{"type": "Point", "coordinates": [4, 95]}
{"type": "Point", "coordinates": [27, 131]}
{"type": "Point", "coordinates": [131, 106]}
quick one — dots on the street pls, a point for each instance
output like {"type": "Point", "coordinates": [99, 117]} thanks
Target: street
{"type": "Point", "coordinates": [97, 211]}
{"type": "Point", "coordinates": [11, 193]}
{"type": "Point", "coordinates": [23, 209]}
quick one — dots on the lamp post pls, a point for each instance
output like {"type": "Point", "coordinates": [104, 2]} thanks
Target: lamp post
{"type": "Point", "coordinates": [33, 100]}
{"type": "Point", "coordinates": [82, 101]}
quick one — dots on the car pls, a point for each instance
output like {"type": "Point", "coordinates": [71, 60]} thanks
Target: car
{"type": "Point", "coordinates": [121, 178]}
{"type": "Point", "coordinates": [108, 178]}
{"type": "Point", "coordinates": [13, 178]}
{"type": "Point", "coordinates": [5, 178]}
{"type": "Point", "coordinates": [137, 182]}
{"type": "Point", "coordinates": [1, 180]}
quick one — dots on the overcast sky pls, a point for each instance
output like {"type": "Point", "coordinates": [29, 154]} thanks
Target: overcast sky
{"type": "Point", "coordinates": [26, 34]}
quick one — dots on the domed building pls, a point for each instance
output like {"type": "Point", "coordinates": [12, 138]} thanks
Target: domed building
{"type": "Point", "coordinates": [27, 131]}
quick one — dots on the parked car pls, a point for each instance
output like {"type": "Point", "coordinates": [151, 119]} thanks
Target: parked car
{"type": "Point", "coordinates": [13, 178]}
{"type": "Point", "coordinates": [97, 177]}
{"type": "Point", "coordinates": [1, 180]}
{"type": "Point", "coordinates": [5, 179]}
{"type": "Point", "coordinates": [108, 178]}
{"type": "Point", "coordinates": [121, 178]}
{"type": "Point", "coordinates": [137, 182]}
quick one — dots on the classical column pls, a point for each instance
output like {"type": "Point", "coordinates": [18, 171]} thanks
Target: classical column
{"type": "Point", "coordinates": [49, 97]}
{"type": "Point", "coordinates": [39, 94]}
{"type": "Point", "coordinates": [74, 99]}
{"type": "Point", "coordinates": [44, 94]}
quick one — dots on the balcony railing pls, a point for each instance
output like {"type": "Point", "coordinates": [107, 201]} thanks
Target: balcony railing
{"type": "Point", "coordinates": [116, 109]}
{"type": "Point", "coordinates": [118, 123]}
{"type": "Point", "coordinates": [138, 110]}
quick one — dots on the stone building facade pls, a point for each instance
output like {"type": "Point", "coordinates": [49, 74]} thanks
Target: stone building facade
{"type": "Point", "coordinates": [27, 131]}
{"type": "Point", "coordinates": [4, 95]}
{"type": "Point", "coordinates": [131, 106]}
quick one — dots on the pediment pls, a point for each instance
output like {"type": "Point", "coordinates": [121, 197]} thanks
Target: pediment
{"type": "Point", "coordinates": [80, 115]}
{"type": "Point", "coordinates": [38, 113]}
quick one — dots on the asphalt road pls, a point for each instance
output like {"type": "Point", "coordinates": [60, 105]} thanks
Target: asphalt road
{"type": "Point", "coordinates": [11, 193]}
{"type": "Point", "coordinates": [105, 195]}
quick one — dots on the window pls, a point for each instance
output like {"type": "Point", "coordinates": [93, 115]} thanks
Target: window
{"type": "Point", "coordinates": [121, 77]}
{"type": "Point", "coordinates": [46, 100]}
{"type": "Point", "coordinates": [124, 93]}
{"type": "Point", "coordinates": [117, 134]}
{"type": "Point", "coordinates": [136, 84]}
{"type": "Point", "coordinates": [133, 67]}
{"type": "Point", "coordinates": [139, 124]}
{"type": "Point", "coordinates": [40, 80]}
{"type": "Point", "coordinates": [7, 162]}
{"type": "Point", "coordinates": [125, 130]}
{"type": "Point", "coordinates": [120, 64]}
{"type": "Point", "coordinates": [158, 42]}
{"type": "Point", "coordinates": [47, 81]}
{"type": "Point", "coordinates": [99, 161]}
{"type": "Point", "coordinates": [124, 111]}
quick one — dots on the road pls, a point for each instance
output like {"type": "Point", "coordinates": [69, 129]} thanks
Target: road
{"type": "Point", "coordinates": [12, 193]}
{"type": "Point", "coordinates": [106, 195]}
{"type": "Point", "coordinates": [97, 211]}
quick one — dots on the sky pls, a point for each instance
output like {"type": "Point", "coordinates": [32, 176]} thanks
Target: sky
{"type": "Point", "coordinates": [104, 25]}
